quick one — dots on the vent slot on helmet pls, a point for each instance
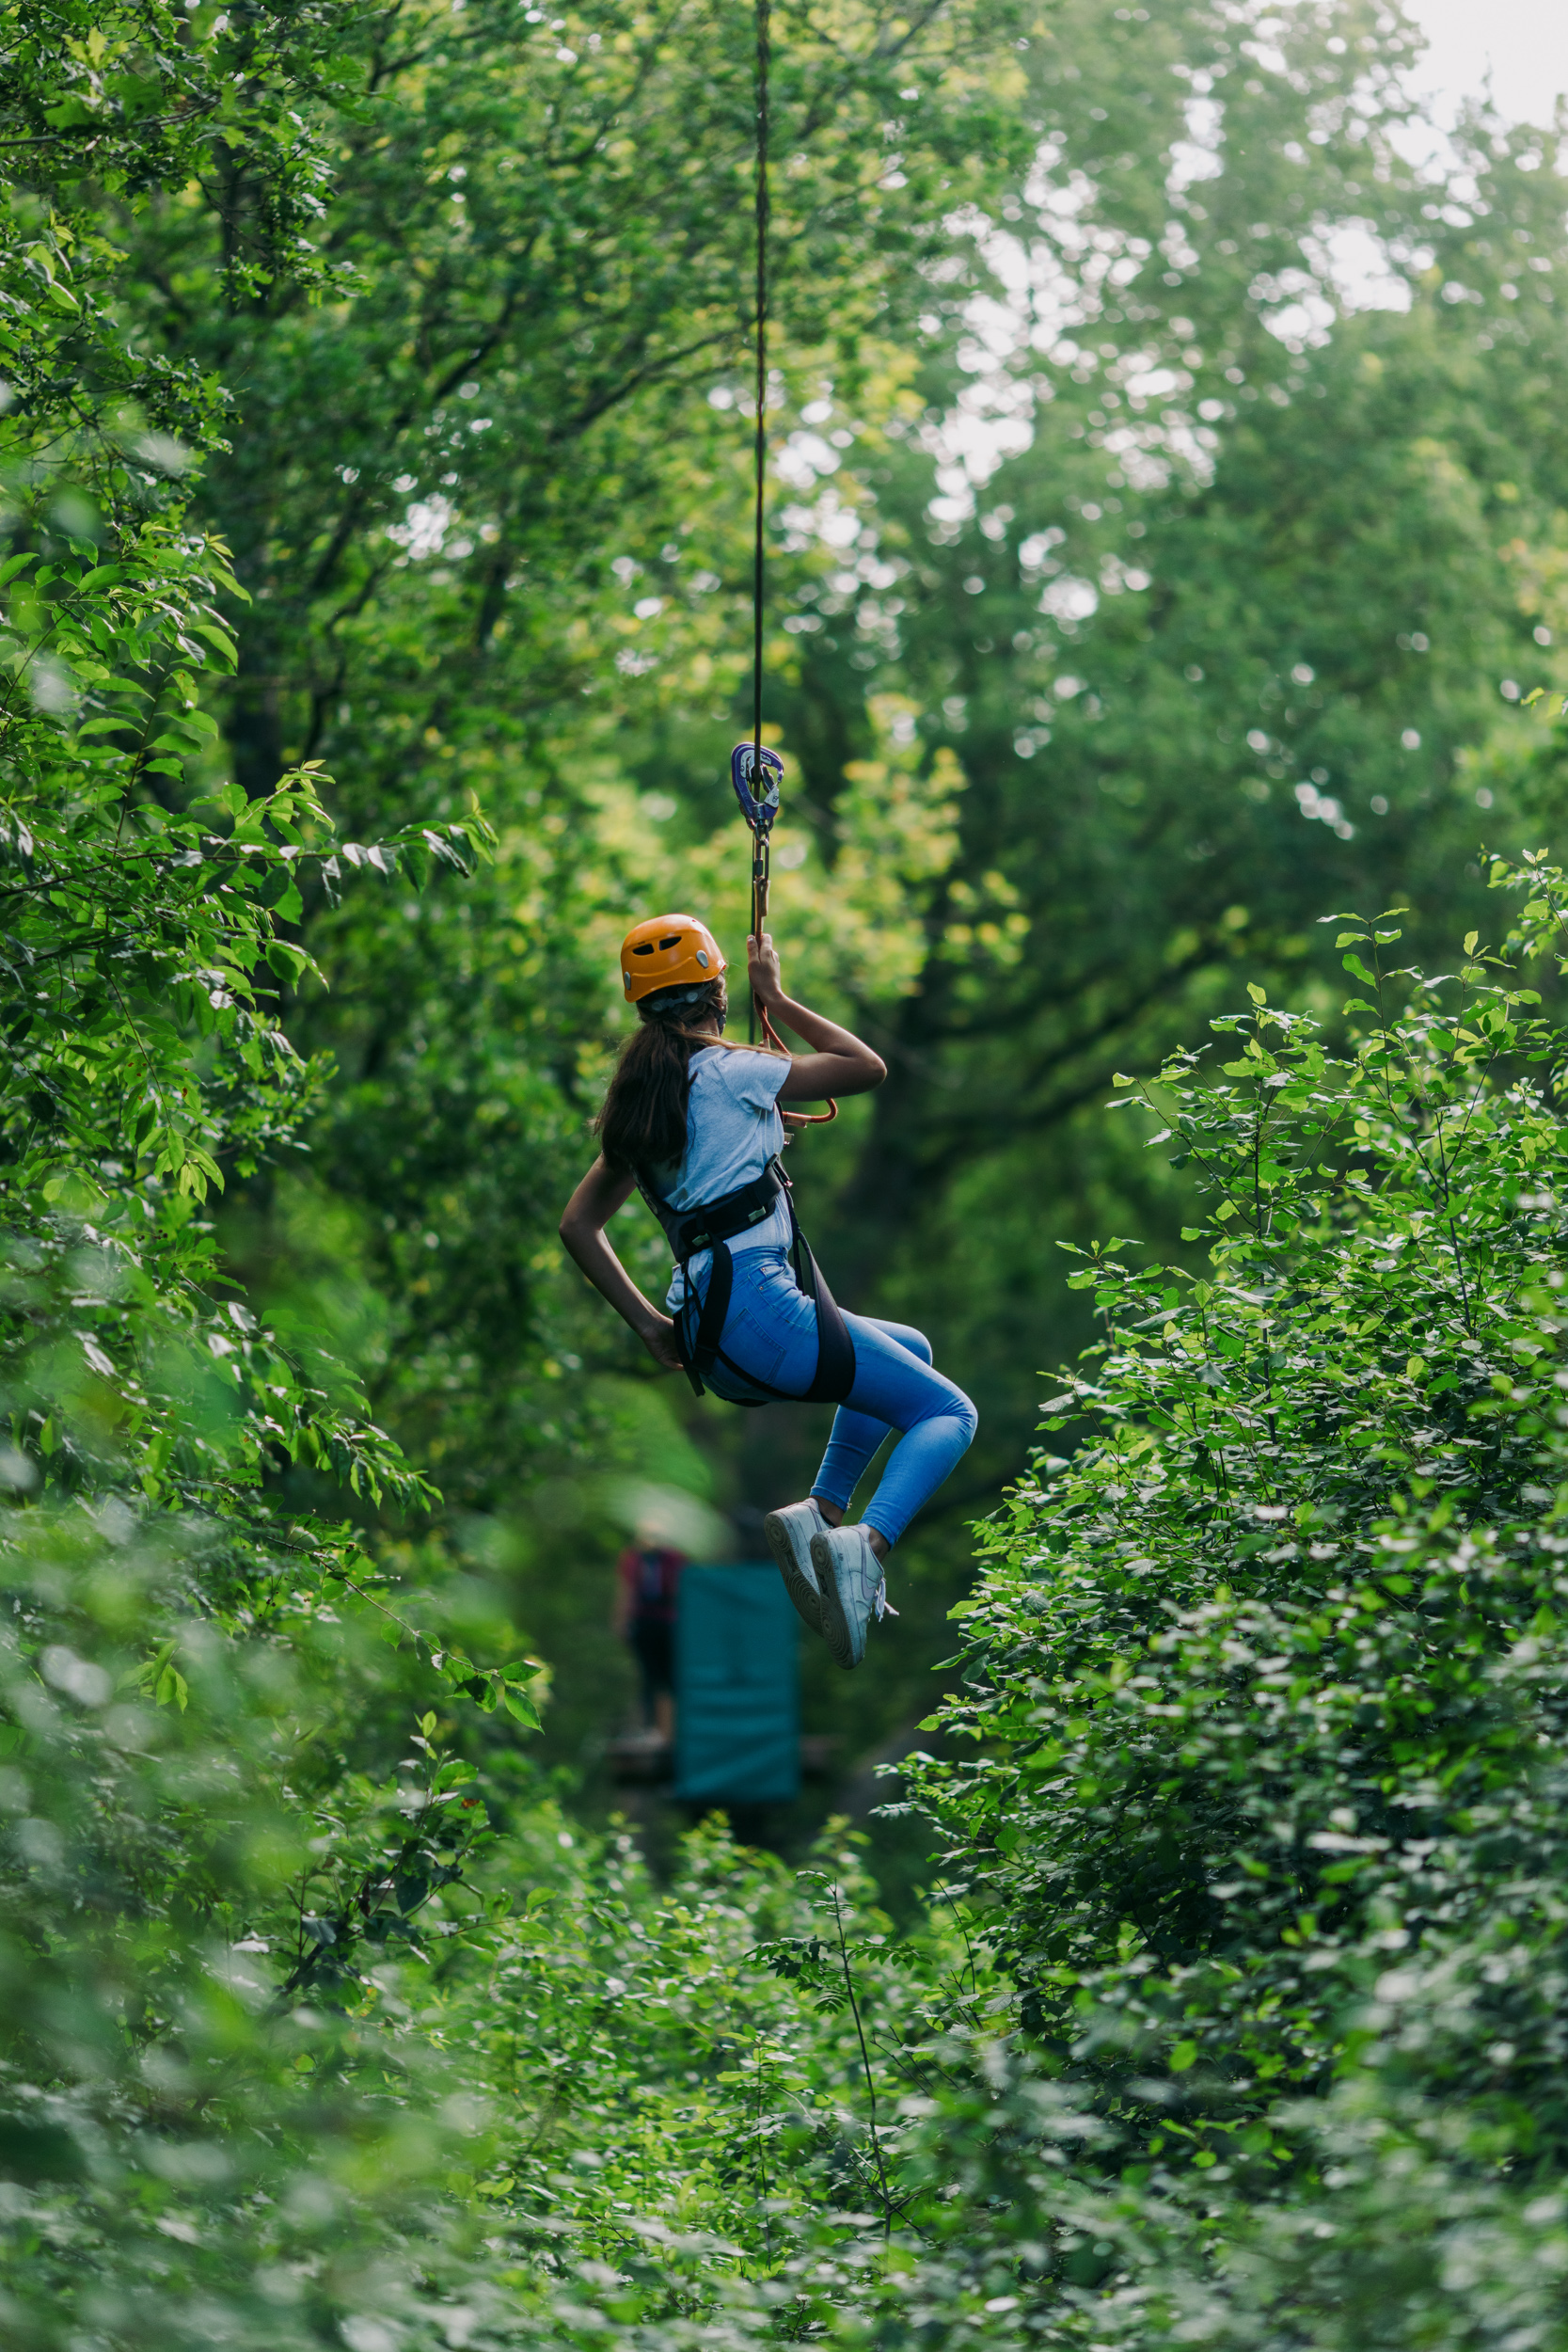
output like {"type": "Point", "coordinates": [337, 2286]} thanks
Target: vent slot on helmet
{"type": "Point", "coordinates": [673, 940]}
{"type": "Point", "coordinates": [643, 947]}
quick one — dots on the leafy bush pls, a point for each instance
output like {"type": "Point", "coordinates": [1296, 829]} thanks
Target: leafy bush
{"type": "Point", "coordinates": [205, 1828]}
{"type": "Point", "coordinates": [1267, 1679]}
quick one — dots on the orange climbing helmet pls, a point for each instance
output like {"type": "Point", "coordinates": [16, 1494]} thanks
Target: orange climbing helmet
{"type": "Point", "coordinates": [668, 951]}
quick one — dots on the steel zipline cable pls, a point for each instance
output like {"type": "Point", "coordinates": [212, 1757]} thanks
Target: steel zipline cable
{"type": "Point", "coordinates": [761, 817]}
{"type": "Point", "coordinates": [762, 377]}
{"type": "Point", "coordinates": [760, 859]}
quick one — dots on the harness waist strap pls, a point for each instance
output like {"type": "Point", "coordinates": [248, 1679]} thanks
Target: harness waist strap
{"type": "Point", "coordinates": [714, 1221]}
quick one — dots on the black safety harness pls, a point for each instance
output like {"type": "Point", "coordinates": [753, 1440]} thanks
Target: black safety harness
{"type": "Point", "coordinates": [714, 1226]}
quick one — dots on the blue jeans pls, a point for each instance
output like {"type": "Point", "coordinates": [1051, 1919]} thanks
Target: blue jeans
{"type": "Point", "coordinates": [771, 1333]}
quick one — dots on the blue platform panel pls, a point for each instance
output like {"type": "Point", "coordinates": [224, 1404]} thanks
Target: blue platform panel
{"type": "Point", "coordinates": [738, 1700]}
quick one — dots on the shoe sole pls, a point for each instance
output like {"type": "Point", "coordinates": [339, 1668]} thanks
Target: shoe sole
{"type": "Point", "coordinates": [808, 1603]}
{"type": "Point", "coordinates": [835, 1627]}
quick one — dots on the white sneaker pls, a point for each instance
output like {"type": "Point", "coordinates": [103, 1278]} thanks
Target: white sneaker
{"type": "Point", "coordinates": [852, 1587]}
{"type": "Point", "coordinates": [789, 1532]}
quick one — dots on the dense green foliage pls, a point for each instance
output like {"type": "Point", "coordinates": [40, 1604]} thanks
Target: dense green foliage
{"type": "Point", "coordinates": [490, 513]}
{"type": "Point", "coordinates": [375, 516]}
{"type": "Point", "coordinates": [492, 516]}
{"type": "Point", "coordinates": [1268, 1676]}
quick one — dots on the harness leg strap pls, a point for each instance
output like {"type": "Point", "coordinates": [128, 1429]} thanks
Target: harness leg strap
{"type": "Point", "coordinates": [836, 1350]}
{"type": "Point", "coordinates": [716, 1308]}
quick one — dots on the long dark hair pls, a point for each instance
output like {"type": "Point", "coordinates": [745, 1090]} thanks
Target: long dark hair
{"type": "Point", "coordinates": [642, 1123]}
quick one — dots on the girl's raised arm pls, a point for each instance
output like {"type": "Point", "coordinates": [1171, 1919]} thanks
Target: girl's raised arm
{"type": "Point", "coordinates": [839, 1063]}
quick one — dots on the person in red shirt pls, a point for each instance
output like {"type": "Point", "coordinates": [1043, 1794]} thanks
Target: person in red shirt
{"type": "Point", "coordinates": [648, 1584]}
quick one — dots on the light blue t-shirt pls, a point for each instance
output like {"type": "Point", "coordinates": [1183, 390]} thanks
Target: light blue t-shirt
{"type": "Point", "coordinates": [733, 1129]}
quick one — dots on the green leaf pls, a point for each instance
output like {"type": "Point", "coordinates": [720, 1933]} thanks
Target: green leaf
{"type": "Point", "coordinates": [287, 960]}
{"type": "Point", "coordinates": [172, 1687]}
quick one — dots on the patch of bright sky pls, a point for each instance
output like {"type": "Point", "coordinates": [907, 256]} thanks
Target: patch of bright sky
{"type": "Point", "coordinates": [1523, 44]}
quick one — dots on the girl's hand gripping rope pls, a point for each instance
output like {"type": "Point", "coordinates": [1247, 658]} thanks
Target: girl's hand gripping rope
{"type": "Point", "coordinates": [762, 971]}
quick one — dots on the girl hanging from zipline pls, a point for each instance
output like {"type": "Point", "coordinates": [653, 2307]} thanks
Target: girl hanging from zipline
{"type": "Point", "coordinates": [694, 1123]}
